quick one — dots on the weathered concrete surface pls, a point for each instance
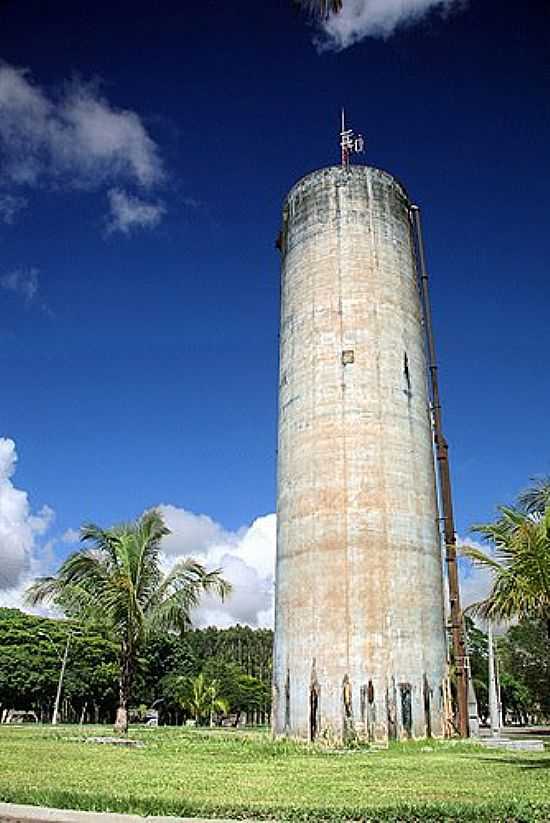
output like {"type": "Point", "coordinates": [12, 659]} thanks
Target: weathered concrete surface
{"type": "Point", "coordinates": [14, 813]}
{"type": "Point", "coordinates": [359, 634]}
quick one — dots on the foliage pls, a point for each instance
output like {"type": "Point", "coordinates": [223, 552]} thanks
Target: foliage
{"type": "Point", "coordinates": [245, 651]}
{"type": "Point", "coordinates": [242, 692]}
{"type": "Point", "coordinates": [536, 498]}
{"type": "Point", "coordinates": [202, 698]}
{"type": "Point", "coordinates": [515, 697]}
{"type": "Point", "coordinates": [520, 568]}
{"type": "Point", "coordinates": [118, 579]}
{"type": "Point", "coordinates": [520, 565]}
{"type": "Point", "coordinates": [523, 661]}
{"type": "Point", "coordinates": [163, 657]}
{"type": "Point", "coordinates": [525, 665]}
{"type": "Point", "coordinates": [228, 773]}
{"type": "Point", "coordinates": [250, 648]}
{"type": "Point", "coordinates": [238, 692]}
{"type": "Point", "coordinates": [29, 668]}
{"type": "Point", "coordinates": [30, 648]}
{"type": "Point", "coordinates": [230, 655]}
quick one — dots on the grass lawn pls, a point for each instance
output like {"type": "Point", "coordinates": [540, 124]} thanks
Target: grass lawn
{"type": "Point", "coordinates": [244, 774]}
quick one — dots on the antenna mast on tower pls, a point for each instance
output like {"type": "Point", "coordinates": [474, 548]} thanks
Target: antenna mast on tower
{"type": "Point", "coordinates": [350, 143]}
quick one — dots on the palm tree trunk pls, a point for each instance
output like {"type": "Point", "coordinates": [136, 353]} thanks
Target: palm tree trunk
{"type": "Point", "coordinates": [124, 686]}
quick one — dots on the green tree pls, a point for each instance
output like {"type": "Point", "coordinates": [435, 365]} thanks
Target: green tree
{"type": "Point", "coordinates": [201, 697]}
{"type": "Point", "coordinates": [524, 656]}
{"type": "Point", "coordinates": [515, 697]}
{"type": "Point", "coordinates": [250, 649]}
{"type": "Point", "coordinates": [118, 579]}
{"type": "Point", "coordinates": [30, 649]}
{"type": "Point", "coordinates": [162, 655]}
{"type": "Point", "coordinates": [242, 691]}
{"type": "Point", "coordinates": [520, 565]}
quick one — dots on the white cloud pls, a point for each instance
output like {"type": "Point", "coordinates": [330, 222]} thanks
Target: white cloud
{"type": "Point", "coordinates": [70, 536]}
{"type": "Point", "coordinates": [129, 212]}
{"type": "Point", "coordinates": [10, 206]}
{"type": "Point", "coordinates": [18, 526]}
{"type": "Point", "coordinates": [373, 18]}
{"type": "Point", "coordinates": [22, 281]}
{"type": "Point", "coordinates": [77, 138]}
{"type": "Point", "coordinates": [475, 583]}
{"type": "Point", "coordinates": [110, 141]}
{"type": "Point", "coordinates": [247, 558]}
{"type": "Point", "coordinates": [74, 139]}
{"type": "Point", "coordinates": [191, 533]}
{"type": "Point", "coordinates": [14, 596]}
{"type": "Point", "coordinates": [250, 602]}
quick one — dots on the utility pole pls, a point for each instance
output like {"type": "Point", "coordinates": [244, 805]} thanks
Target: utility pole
{"type": "Point", "coordinates": [63, 659]}
{"type": "Point", "coordinates": [494, 712]}
{"type": "Point", "coordinates": [441, 447]}
{"type": "Point", "coordinates": [60, 681]}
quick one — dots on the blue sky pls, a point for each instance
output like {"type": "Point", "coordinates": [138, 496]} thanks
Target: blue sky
{"type": "Point", "coordinates": [138, 274]}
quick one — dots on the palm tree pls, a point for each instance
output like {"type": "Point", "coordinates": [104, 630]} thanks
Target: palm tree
{"type": "Point", "coordinates": [520, 565]}
{"type": "Point", "coordinates": [201, 698]}
{"type": "Point", "coordinates": [320, 8]}
{"type": "Point", "coordinates": [117, 579]}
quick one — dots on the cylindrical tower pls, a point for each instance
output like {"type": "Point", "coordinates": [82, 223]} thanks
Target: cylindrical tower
{"type": "Point", "coordinates": [360, 646]}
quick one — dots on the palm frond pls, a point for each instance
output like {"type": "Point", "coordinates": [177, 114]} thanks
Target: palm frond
{"type": "Point", "coordinates": [147, 536]}
{"type": "Point", "coordinates": [536, 498]}
{"type": "Point", "coordinates": [43, 589]}
{"type": "Point", "coordinates": [520, 564]}
{"type": "Point", "coordinates": [480, 558]}
{"type": "Point", "coordinates": [181, 591]}
{"type": "Point", "coordinates": [104, 541]}
{"type": "Point", "coordinates": [199, 696]}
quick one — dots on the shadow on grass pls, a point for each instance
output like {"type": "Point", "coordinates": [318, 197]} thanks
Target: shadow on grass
{"type": "Point", "coordinates": [521, 764]}
{"type": "Point", "coordinates": [526, 731]}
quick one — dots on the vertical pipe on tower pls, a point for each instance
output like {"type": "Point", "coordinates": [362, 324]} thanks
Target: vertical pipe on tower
{"type": "Point", "coordinates": [442, 454]}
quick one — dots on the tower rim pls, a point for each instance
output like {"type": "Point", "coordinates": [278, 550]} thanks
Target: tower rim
{"type": "Point", "coordinates": [353, 171]}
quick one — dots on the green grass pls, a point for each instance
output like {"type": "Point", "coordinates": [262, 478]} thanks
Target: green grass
{"type": "Point", "coordinates": [221, 773]}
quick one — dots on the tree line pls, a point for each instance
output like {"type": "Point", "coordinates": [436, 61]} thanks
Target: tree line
{"type": "Point", "coordinates": [237, 660]}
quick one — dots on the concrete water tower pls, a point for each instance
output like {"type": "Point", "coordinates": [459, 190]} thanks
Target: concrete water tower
{"type": "Point", "coordinates": [360, 641]}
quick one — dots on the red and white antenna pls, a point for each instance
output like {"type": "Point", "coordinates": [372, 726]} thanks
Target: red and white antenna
{"type": "Point", "coordinates": [350, 143]}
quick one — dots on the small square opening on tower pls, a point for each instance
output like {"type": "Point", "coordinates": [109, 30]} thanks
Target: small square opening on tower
{"type": "Point", "coordinates": [348, 356]}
